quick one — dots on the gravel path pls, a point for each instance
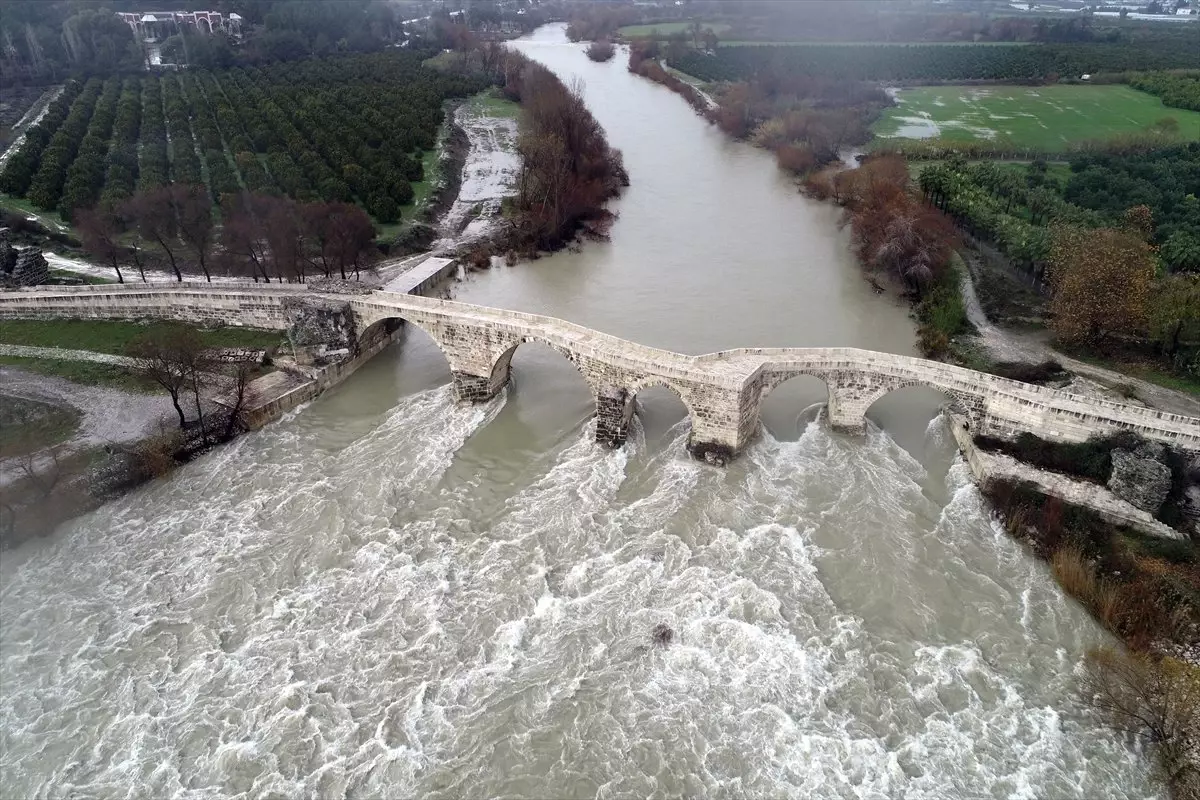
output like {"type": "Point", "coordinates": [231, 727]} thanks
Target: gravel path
{"type": "Point", "coordinates": [489, 175]}
{"type": "Point", "coordinates": [1034, 347]}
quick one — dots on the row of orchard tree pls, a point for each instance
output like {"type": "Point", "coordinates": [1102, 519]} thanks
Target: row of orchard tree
{"type": "Point", "coordinates": [346, 129]}
{"type": "Point", "coordinates": [262, 237]}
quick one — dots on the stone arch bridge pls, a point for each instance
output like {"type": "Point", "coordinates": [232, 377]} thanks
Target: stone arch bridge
{"type": "Point", "coordinates": [723, 392]}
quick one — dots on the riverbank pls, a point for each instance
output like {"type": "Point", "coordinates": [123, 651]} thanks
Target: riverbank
{"type": "Point", "coordinates": [826, 593]}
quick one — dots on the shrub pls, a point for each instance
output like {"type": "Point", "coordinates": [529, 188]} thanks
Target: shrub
{"type": "Point", "coordinates": [1039, 374]}
{"type": "Point", "coordinates": [1075, 574]}
{"type": "Point", "coordinates": [602, 50]}
{"type": "Point", "coordinates": [1090, 460]}
{"type": "Point", "coordinates": [1154, 699]}
{"type": "Point", "coordinates": [796, 158]}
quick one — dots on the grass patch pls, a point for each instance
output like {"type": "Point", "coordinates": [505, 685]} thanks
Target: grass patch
{"type": "Point", "coordinates": [668, 28]}
{"type": "Point", "coordinates": [942, 314]}
{"type": "Point", "coordinates": [1090, 460]}
{"type": "Point", "coordinates": [113, 337]}
{"type": "Point", "coordinates": [86, 372]}
{"type": "Point", "coordinates": [1046, 372]}
{"type": "Point", "coordinates": [491, 103]}
{"type": "Point", "coordinates": [23, 207]}
{"type": "Point", "coordinates": [1047, 118]}
{"type": "Point", "coordinates": [27, 426]}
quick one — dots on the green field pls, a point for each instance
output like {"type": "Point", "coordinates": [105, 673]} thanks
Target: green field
{"type": "Point", "coordinates": [811, 42]}
{"type": "Point", "coordinates": [668, 28]}
{"type": "Point", "coordinates": [112, 337]}
{"type": "Point", "coordinates": [1041, 117]}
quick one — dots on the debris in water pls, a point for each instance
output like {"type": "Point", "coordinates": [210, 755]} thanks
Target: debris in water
{"type": "Point", "coordinates": [662, 635]}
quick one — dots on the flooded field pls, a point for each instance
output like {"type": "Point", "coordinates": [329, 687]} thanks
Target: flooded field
{"type": "Point", "coordinates": [1042, 117]}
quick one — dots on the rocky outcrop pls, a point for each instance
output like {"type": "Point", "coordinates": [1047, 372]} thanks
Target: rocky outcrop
{"type": "Point", "coordinates": [1141, 476]}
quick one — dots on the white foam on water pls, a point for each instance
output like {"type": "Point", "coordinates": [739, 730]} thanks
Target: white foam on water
{"type": "Point", "coordinates": [283, 620]}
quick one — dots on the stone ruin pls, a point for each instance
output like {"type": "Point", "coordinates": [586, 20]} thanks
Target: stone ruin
{"type": "Point", "coordinates": [31, 268]}
{"type": "Point", "coordinates": [25, 267]}
{"type": "Point", "coordinates": [1141, 476]}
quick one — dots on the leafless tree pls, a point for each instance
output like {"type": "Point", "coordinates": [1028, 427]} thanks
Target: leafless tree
{"type": "Point", "coordinates": [194, 209]}
{"type": "Point", "coordinates": [243, 237]}
{"type": "Point", "coordinates": [286, 239]}
{"type": "Point", "coordinates": [153, 213]}
{"type": "Point", "coordinates": [1156, 700]}
{"type": "Point", "coordinates": [341, 236]}
{"type": "Point", "coordinates": [99, 230]}
{"type": "Point", "coordinates": [172, 359]}
{"type": "Point", "coordinates": [242, 396]}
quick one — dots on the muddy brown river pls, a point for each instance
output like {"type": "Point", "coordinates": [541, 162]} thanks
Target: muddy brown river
{"type": "Point", "coordinates": [385, 595]}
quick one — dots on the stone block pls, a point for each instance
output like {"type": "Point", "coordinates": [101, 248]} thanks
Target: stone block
{"type": "Point", "coordinates": [1140, 477]}
{"type": "Point", "coordinates": [30, 268]}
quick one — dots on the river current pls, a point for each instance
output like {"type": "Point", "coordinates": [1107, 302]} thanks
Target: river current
{"type": "Point", "coordinates": [388, 595]}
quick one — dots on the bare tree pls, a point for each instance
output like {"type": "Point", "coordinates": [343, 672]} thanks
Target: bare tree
{"type": "Point", "coordinates": [170, 359]}
{"type": "Point", "coordinates": [243, 238]}
{"type": "Point", "coordinates": [153, 213]}
{"type": "Point", "coordinates": [1156, 700]}
{"type": "Point", "coordinates": [194, 209]}
{"type": "Point", "coordinates": [342, 234]}
{"type": "Point", "coordinates": [99, 229]}
{"type": "Point", "coordinates": [242, 396]}
{"type": "Point", "coordinates": [43, 479]}
{"type": "Point", "coordinates": [286, 239]}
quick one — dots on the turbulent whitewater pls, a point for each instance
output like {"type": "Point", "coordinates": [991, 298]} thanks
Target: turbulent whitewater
{"type": "Point", "coordinates": [388, 595]}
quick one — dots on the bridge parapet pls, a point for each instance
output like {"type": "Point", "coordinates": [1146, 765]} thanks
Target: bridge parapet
{"type": "Point", "coordinates": [723, 391]}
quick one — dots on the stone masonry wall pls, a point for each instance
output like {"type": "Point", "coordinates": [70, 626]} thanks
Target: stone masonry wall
{"type": "Point", "coordinates": [723, 391]}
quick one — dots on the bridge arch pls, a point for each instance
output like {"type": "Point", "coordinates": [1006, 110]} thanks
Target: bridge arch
{"type": "Point", "coordinates": [501, 367]}
{"type": "Point", "coordinates": [784, 397]}
{"type": "Point", "coordinates": [961, 403]}
{"type": "Point", "coordinates": [660, 394]}
{"type": "Point", "coordinates": [386, 327]}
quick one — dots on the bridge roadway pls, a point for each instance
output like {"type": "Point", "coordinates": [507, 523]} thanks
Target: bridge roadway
{"type": "Point", "coordinates": [723, 392]}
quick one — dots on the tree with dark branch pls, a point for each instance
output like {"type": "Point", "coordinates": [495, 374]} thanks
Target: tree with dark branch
{"type": "Point", "coordinates": [243, 238]}
{"type": "Point", "coordinates": [153, 213]}
{"type": "Point", "coordinates": [170, 358]}
{"type": "Point", "coordinates": [242, 395]}
{"type": "Point", "coordinates": [1157, 700]}
{"type": "Point", "coordinates": [99, 229]}
{"type": "Point", "coordinates": [196, 225]}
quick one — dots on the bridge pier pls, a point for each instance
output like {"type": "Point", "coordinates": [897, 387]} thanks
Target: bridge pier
{"type": "Point", "coordinates": [614, 410]}
{"type": "Point", "coordinates": [470, 388]}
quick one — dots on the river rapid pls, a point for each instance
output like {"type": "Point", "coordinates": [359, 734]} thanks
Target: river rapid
{"type": "Point", "coordinates": [388, 595]}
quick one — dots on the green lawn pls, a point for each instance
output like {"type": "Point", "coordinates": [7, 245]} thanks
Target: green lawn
{"type": "Point", "coordinates": [782, 42]}
{"type": "Point", "coordinates": [110, 336]}
{"type": "Point", "coordinates": [668, 28]}
{"type": "Point", "coordinates": [1042, 117]}
{"type": "Point", "coordinates": [95, 280]}
{"type": "Point", "coordinates": [492, 103]}
{"type": "Point", "coordinates": [49, 219]}
{"type": "Point", "coordinates": [421, 192]}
